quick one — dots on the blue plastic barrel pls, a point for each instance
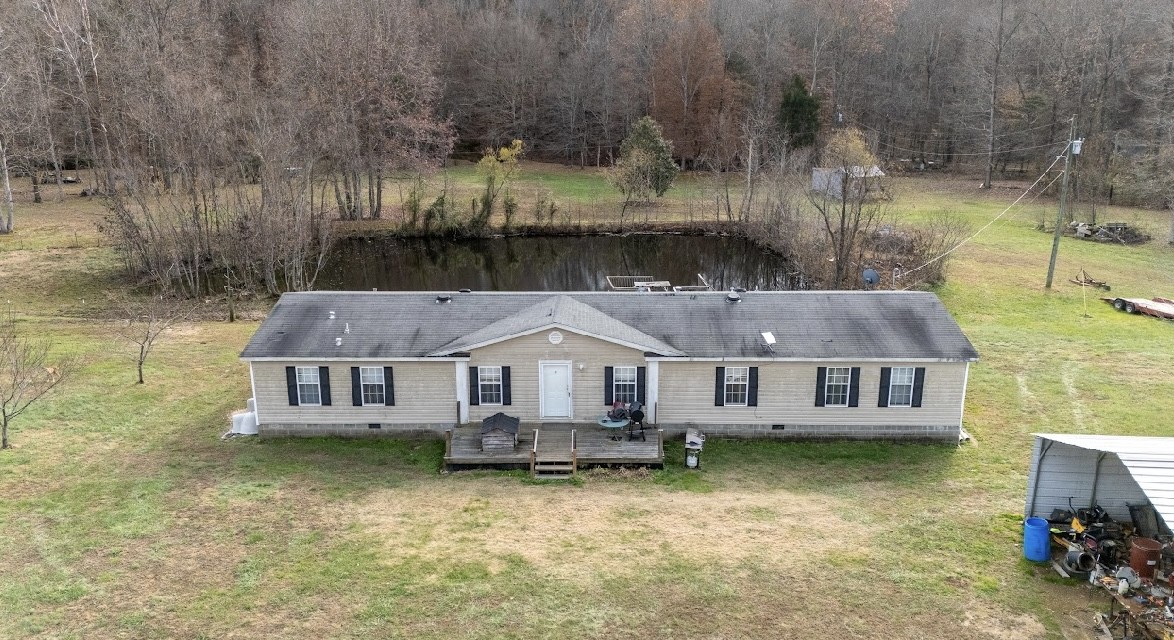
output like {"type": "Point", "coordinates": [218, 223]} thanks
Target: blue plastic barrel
{"type": "Point", "coordinates": [1037, 547]}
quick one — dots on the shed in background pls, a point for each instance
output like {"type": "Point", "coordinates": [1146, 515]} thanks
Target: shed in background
{"type": "Point", "coordinates": [854, 182]}
{"type": "Point", "coordinates": [1112, 471]}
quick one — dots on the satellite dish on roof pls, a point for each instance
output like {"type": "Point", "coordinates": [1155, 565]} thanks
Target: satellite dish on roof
{"type": "Point", "coordinates": [871, 277]}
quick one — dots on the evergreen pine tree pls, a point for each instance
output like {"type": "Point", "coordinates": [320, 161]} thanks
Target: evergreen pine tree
{"type": "Point", "coordinates": [799, 114]}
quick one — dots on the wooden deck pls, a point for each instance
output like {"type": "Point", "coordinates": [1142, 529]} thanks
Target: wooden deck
{"type": "Point", "coordinates": [590, 446]}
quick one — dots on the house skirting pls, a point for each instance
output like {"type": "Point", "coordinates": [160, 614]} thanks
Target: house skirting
{"type": "Point", "coordinates": [908, 433]}
{"type": "Point", "coordinates": [293, 430]}
{"type": "Point", "coordinates": [947, 434]}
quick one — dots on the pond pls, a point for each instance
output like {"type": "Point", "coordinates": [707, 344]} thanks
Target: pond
{"type": "Point", "coordinates": [559, 263]}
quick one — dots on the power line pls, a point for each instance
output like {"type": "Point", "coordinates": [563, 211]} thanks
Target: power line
{"type": "Point", "coordinates": [958, 139]}
{"type": "Point", "coordinates": [987, 225]}
{"type": "Point", "coordinates": [984, 153]}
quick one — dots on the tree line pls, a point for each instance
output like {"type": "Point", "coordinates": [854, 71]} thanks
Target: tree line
{"type": "Point", "coordinates": [223, 133]}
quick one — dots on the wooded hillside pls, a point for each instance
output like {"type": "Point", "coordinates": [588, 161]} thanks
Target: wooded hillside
{"type": "Point", "coordinates": [155, 89]}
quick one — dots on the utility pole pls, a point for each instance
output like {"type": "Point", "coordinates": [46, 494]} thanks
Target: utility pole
{"type": "Point", "coordinates": [1073, 147]}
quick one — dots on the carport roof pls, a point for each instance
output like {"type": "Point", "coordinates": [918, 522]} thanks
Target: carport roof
{"type": "Point", "coordinates": [1150, 460]}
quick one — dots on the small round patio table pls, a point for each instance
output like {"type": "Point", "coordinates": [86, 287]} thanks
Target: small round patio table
{"type": "Point", "coordinates": [614, 427]}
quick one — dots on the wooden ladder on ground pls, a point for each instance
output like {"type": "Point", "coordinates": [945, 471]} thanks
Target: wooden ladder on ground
{"type": "Point", "coordinates": [554, 456]}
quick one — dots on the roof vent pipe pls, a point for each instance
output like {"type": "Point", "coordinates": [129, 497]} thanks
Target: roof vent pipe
{"type": "Point", "coordinates": [348, 328]}
{"type": "Point", "coordinates": [443, 299]}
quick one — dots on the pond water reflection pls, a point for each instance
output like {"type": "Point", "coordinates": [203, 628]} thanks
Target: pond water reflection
{"type": "Point", "coordinates": [564, 263]}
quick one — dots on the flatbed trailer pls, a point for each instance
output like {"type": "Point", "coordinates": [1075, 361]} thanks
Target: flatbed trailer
{"type": "Point", "coordinates": [1157, 307]}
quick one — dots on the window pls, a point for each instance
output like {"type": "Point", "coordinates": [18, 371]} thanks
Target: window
{"type": "Point", "coordinates": [371, 379]}
{"type": "Point", "coordinates": [835, 390]}
{"type": "Point", "coordinates": [901, 387]}
{"type": "Point", "coordinates": [309, 391]}
{"type": "Point", "coordinates": [624, 385]}
{"type": "Point", "coordinates": [737, 386]}
{"type": "Point", "coordinates": [489, 385]}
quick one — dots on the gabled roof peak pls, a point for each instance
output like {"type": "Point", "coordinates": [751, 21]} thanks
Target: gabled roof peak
{"type": "Point", "coordinates": [565, 312]}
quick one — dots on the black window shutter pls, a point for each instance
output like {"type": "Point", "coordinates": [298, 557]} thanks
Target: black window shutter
{"type": "Point", "coordinates": [641, 383]}
{"type": "Point", "coordinates": [324, 382]}
{"type": "Point", "coordinates": [918, 384]}
{"type": "Point", "coordinates": [388, 387]}
{"type": "Point", "coordinates": [752, 390]}
{"type": "Point", "coordinates": [356, 388]}
{"type": "Point", "coordinates": [609, 374]}
{"type": "Point", "coordinates": [474, 387]}
{"type": "Point", "coordinates": [821, 376]}
{"type": "Point", "coordinates": [882, 398]}
{"type": "Point", "coordinates": [719, 388]}
{"type": "Point", "coordinates": [854, 388]}
{"type": "Point", "coordinates": [291, 383]}
{"type": "Point", "coordinates": [505, 385]}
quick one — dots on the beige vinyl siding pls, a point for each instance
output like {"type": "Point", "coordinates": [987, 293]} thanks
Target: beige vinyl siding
{"type": "Point", "coordinates": [425, 392]}
{"type": "Point", "coordinates": [523, 354]}
{"type": "Point", "coordinates": [786, 395]}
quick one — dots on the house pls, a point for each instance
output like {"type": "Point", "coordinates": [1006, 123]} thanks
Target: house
{"type": "Point", "coordinates": [788, 364]}
{"type": "Point", "coordinates": [850, 182]}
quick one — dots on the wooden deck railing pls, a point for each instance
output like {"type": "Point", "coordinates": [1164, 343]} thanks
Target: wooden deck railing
{"type": "Point", "coordinates": [448, 443]}
{"type": "Point", "coordinates": [534, 452]}
{"type": "Point", "coordinates": [574, 454]}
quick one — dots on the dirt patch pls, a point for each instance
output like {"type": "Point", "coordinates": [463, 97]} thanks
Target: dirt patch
{"type": "Point", "coordinates": [1002, 626]}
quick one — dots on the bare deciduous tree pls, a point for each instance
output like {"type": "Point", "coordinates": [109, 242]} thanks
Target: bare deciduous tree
{"type": "Point", "coordinates": [27, 373]}
{"type": "Point", "coordinates": [142, 321]}
{"type": "Point", "coordinates": [847, 206]}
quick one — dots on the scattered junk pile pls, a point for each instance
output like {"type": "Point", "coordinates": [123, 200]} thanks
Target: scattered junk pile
{"type": "Point", "coordinates": [1120, 232]}
{"type": "Point", "coordinates": [1132, 562]}
{"type": "Point", "coordinates": [1116, 537]}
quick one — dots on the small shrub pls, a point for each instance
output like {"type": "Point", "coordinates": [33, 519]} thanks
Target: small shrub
{"type": "Point", "coordinates": [509, 205]}
{"type": "Point", "coordinates": [411, 207]}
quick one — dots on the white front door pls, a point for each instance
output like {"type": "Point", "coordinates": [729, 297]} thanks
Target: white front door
{"type": "Point", "coordinates": [556, 389]}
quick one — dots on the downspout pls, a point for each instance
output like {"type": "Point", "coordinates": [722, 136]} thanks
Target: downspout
{"type": "Point", "coordinates": [253, 384]}
{"type": "Point", "coordinates": [962, 405]}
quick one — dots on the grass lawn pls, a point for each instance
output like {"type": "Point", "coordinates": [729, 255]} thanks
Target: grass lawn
{"type": "Point", "coordinates": [124, 515]}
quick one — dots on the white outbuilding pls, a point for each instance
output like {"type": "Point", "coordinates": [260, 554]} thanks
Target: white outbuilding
{"type": "Point", "coordinates": [1115, 472]}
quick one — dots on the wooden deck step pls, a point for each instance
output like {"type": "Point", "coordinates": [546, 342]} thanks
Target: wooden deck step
{"type": "Point", "coordinates": [554, 457]}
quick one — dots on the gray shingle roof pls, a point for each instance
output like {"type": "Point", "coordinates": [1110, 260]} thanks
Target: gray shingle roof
{"type": "Point", "coordinates": [807, 324]}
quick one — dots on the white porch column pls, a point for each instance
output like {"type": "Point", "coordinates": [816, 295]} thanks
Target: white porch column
{"type": "Point", "coordinates": [650, 393]}
{"type": "Point", "coordinates": [462, 378]}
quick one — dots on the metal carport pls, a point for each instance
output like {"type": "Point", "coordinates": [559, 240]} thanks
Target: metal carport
{"type": "Point", "coordinates": [1112, 471]}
